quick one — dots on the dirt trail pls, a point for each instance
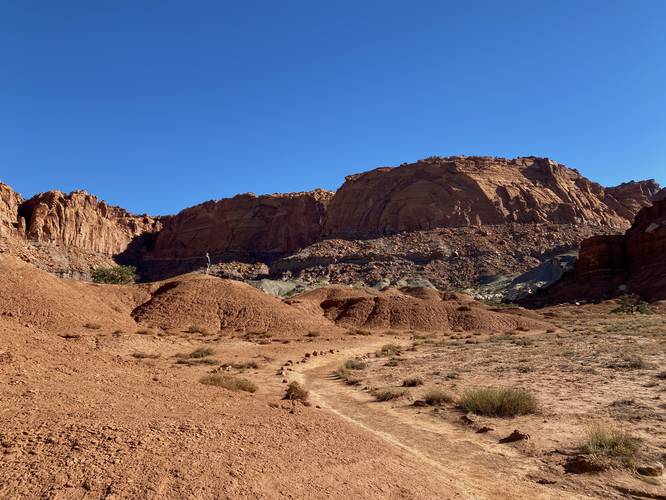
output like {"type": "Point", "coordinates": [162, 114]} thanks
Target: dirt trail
{"type": "Point", "coordinates": [475, 468]}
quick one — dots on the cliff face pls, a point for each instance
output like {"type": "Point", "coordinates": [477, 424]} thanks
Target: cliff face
{"type": "Point", "coordinates": [244, 227]}
{"type": "Point", "coordinates": [611, 265]}
{"type": "Point", "coordinates": [632, 196]}
{"type": "Point", "coordinates": [80, 220]}
{"type": "Point", "coordinates": [9, 204]}
{"type": "Point", "coordinates": [468, 191]}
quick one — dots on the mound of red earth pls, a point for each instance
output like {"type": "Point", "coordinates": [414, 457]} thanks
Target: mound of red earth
{"type": "Point", "coordinates": [37, 299]}
{"type": "Point", "coordinates": [69, 234]}
{"type": "Point", "coordinates": [216, 304]}
{"type": "Point", "coordinates": [418, 309]}
{"type": "Point", "coordinates": [608, 266]}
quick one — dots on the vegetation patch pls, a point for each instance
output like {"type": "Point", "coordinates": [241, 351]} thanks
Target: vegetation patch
{"type": "Point", "coordinates": [296, 392]}
{"type": "Point", "coordinates": [355, 364]}
{"type": "Point", "coordinates": [119, 275]}
{"type": "Point", "coordinates": [435, 397]}
{"type": "Point", "coordinates": [229, 382]}
{"type": "Point", "coordinates": [412, 382]}
{"type": "Point", "coordinates": [389, 350]}
{"type": "Point", "coordinates": [608, 442]}
{"type": "Point", "coordinates": [499, 402]}
{"type": "Point", "coordinates": [145, 355]}
{"type": "Point", "coordinates": [92, 326]}
{"type": "Point", "coordinates": [347, 376]}
{"type": "Point", "coordinates": [389, 394]}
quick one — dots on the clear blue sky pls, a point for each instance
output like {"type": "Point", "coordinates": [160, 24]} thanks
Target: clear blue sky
{"type": "Point", "coordinates": [158, 105]}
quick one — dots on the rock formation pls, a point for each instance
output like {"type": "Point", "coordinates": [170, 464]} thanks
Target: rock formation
{"type": "Point", "coordinates": [467, 191]}
{"type": "Point", "coordinates": [245, 227]}
{"type": "Point", "coordinates": [633, 196]}
{"type": "Point", "coordinates": [449, 216]}
{"type": "Point", "coordinates": [612, 265]}
{"type": "Point", "coordinates": [9, 203]}
{"type": "Point", "coordinates": [80, 220]}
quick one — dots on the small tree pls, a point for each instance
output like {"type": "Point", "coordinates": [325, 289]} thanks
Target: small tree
{"type": "Point", "coordinates": [120, 275]}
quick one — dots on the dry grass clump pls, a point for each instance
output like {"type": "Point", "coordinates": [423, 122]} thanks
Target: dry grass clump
{"type": "Point", "coordinates": [631, 362]}
{"type": "Point", "coordinates": [661, 375]}
{"type": "Point", "coordinates": [355, 364]}
{"type": "Point", "coordinates": [198, 329]}
{"type": "Point", "coordinates": [245, 365]}
{"type": "Point", "coordinates": [412, 382]}
{"type": "Point", "coordinates": [92, 326]}
{"type": "Point", "coordinates": [296, 392]}
{"type": "Point", "coordinates": [347, 376]}
{"type": "Point", "coordinates": [145, 355]}
{"type": "Point", "coordinates": [436, 397]}
{"type": "Point", "coordinates": [389, 394]}
{"type": "Point", "coordinates": [229, 382]}
{"type": "Point", "coordinates": [499, 402]}
{"type": "Point", "coordinates": [202, 352]}
{"type": "Point", "coordinates": [388, 350]}
{"type": "Point", "coordinates": [145, 331]}
{"type": "Point", "coordinates": [608, 442]}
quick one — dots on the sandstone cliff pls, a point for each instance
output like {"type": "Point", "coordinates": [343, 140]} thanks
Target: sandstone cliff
{"type": "Point", "coordinates": [243, 227]}
{"type": "Point", "coordinates": [632, 196]}
{"type": "Point", "coordinates": [80, 220]}
{"type": "Point", "coordinates": [611, 265]}
{"type": "Point", "coordinates": [9, 203]}
{"type": "Point", "coordinates": [467, 191]}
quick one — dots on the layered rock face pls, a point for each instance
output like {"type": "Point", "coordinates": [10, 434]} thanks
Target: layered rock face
{"type": "Point", "coordinates": [611, 265]}
{"type": "Point", "coordinates": [9, 204]}
{"type": "Point", "coordinates": [467, 191]}
{"type": "Point", "coordinates": [243, 227]}
{"type": "Point", "coordinates": [80, 220]}
{"type": "Point", "coordinates": [632, 196]}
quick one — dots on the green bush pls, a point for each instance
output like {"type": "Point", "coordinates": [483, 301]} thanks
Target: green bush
{"type": "Point", "coordinates": [494, 402]}
{"type": "Point", "coordinates": [120, 275]}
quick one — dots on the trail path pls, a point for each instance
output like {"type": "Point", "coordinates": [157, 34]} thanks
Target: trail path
{"type": "Point", "coordinates": [475, 468]}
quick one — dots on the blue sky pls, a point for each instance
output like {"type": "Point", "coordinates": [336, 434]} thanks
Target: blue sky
{"type": "Point", "coordinates": [159, 105]}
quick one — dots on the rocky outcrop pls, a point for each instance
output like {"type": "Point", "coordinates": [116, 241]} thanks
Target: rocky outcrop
{"type": "Point", "coordinates": [632, 196]}
{"type": "Point", "coordinates": [9, 204]}
{"type": "Point", "coordinates": [80, 220]}
{"type": "Point", "coordinates": [468, 191]}
{"type": "Point", "coordinates": [245, 227]}
{"type": "Point", "coordinates": [612, 265]}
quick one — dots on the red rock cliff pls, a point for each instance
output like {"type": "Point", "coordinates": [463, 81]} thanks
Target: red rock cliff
{"type": "Point", "coordinates": [9, 204]}
{"type": "Point", "coordinates": [80, 220]}
{"type": "Point", "coordinates": [611, 265]}
{"type": "Point", "coordinates": [468, 191]}
{"type": "Point", "coordinates": [245, 226]}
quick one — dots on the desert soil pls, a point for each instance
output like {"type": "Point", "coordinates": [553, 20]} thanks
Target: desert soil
{"type": "Point", "coordinates": [101, 398]}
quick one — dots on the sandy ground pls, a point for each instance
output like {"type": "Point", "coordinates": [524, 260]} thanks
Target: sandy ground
{"type": "Point", "coordinates": [98, 405]}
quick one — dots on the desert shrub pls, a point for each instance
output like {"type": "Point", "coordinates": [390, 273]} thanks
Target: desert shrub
{"type": "Point", "coordinates": [464, 308]}
{"type": "Point", "coordinates": [119, 275]}
{"type": "Point", "coordinates": [145, 331]}
{"type": "Point", "coordinates": [197, 329]}
{"type": "Point", "coordinates": [388, 394]}
{"type": "Point", "coordinates": [197, 361]}
{"type": "Point", "coordinates": [610, 442]}
{"type": "Point", "coordinates": [631, 305]}
{"type": "Point", "coordinates": [245, 365]}
{"type": "Point", "coordinates": [296, 392]}
{"type": "Point", "coordinates": [92, 326]}
{"type": "Point", "coordinates": [347, 376]}
{"type": "Point", "coordinates": [630, 362]}
{"type": "Point", "coordinates": [229, 382]}
{"type": "Point", "coordinates": [435, 397]}
{"type": "Point", "coordinates": [355, 364]}
{"type": "Point", "coordinates": [389, 350]}
{"type": "Point", "coordinates": [412, 382]}
{"type": "Point", "coordinates": [499, 402]}
{"type": "Point", "coordinates": [313, 334]}
{"type": "Point", "coordinates": [144, 355]}
{"type": "Point", "coordinates": [661, 375]}
{"type": "Point", "coordinates": [202, 352]}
